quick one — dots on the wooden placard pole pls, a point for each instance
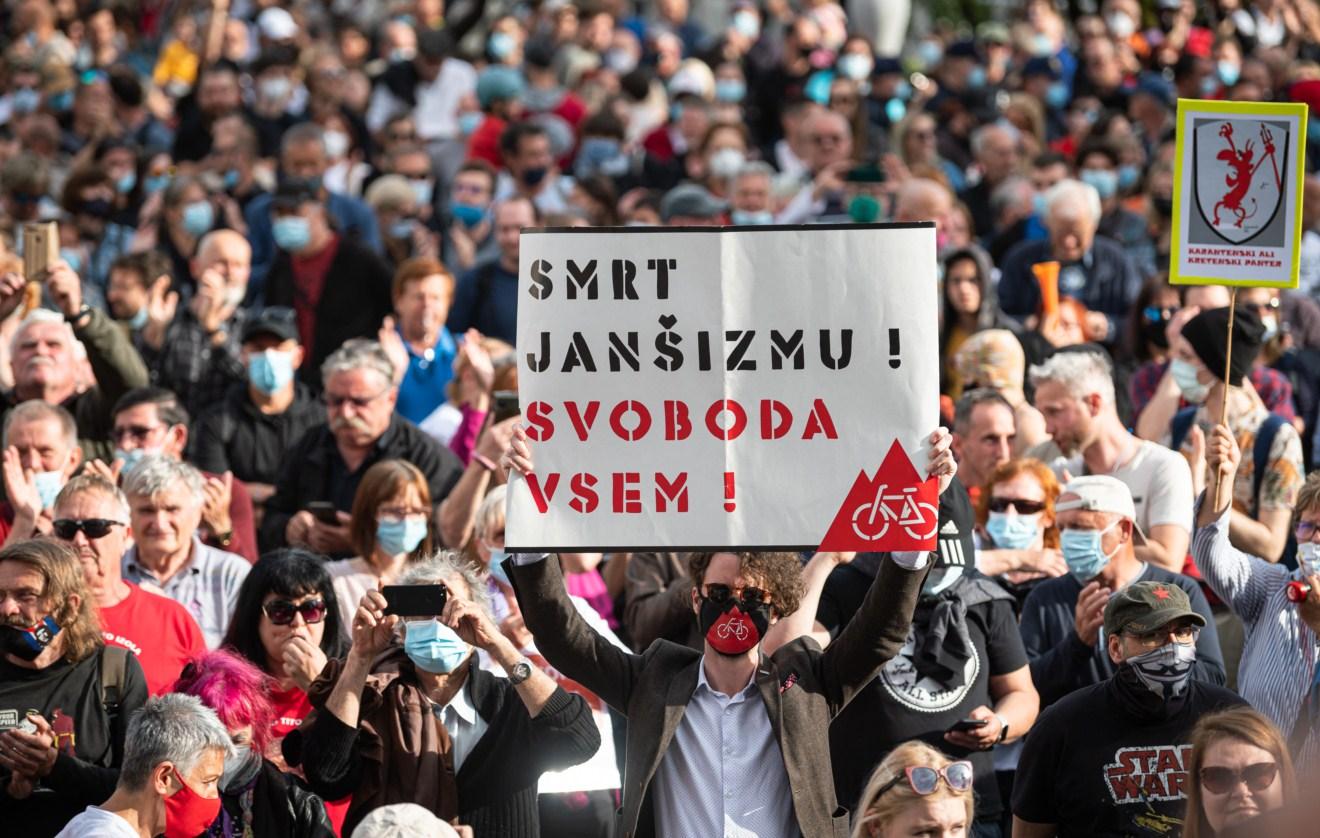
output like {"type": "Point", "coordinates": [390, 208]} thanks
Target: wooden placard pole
{"type": "Point", "coordinates": [1228, 366]}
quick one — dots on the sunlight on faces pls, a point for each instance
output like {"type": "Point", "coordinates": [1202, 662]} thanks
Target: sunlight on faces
{"type": "Point", "coordinates": [1071, 236]}
{"type": "Point", "coordinates": [164, 523]}
{"type": "Point", "coordinates": [203, 779]}
{"type": "Point", "coordinates": [962, 287]}
{"type": "Point", "coordinates": [1024, 487]}
{"type": "Point", "coordinates": [407, 504]}
{"type": "Point", "coordinates": [1239, 803]}
{"type": "Point", "coordinates": [43, 356]}
{"type": "Point", "coordinates": [945, 817]}
{"type": "Point", "coordinates": [724, 569]}
{"type": "Point", "coordinates": [42, 447]}
{"type": "Point", "coordinates": [1181, 349]}
{"type": "Point", "coordinates": [988, 442]}
{"type": "Point", "coordinates": [273, 637]}
{"type": "Point", "coordinates": [359, 404]}
{"type": "Point", "coordinates": [21, 602]}
{"type": "Point", "coordinates": [1067, 419]}
{"type": "Point", "coordinates": [424, 304]}
{"type": "Point", "coordinates": [227, 253]}
{"type": "Point", "coordinates": [100, 557]}
{"type": "Point", "coordinates": [140, 426]}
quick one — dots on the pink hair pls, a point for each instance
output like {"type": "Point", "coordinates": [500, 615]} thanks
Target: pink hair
{"type": "Point", "coordinates": [235, 689]}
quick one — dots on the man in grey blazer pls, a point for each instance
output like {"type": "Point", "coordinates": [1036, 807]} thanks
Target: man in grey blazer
{"type": "Point", "coordinates": [728, 741]}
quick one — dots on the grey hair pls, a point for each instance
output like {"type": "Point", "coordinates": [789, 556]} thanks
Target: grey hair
{"type": "Point", "coordinates": [983, 133]}
{"type": "Point", "coordinates": [1015, 191]}
{"type": "Point", "coordinates": [490, 513]}
{"type": "Point", "coordinates": [1070, 199]}
{"type": "Point", "coordinates": [45, 315]}
{"type": "Point", "coordinates": [446, 564]}
{"type": "Point", "coordinates": [972, 399]}
{"type": "Point", "coordinates": [358, 354]}
{"type": "Point", "coordinates": [89, 484]}
{"type": "Point", "coordinates": [37, 411]}
{"type": "Point", "coordinates": [175, 728]}
{"type": "Point", "coordinates": [756, 168]}
{"type": "Point", "coordinates": [158, 473]}
{"type": "Point", "coordinates": [1081, 373]}
{"type": "Point", "coordinates": [303, 132]}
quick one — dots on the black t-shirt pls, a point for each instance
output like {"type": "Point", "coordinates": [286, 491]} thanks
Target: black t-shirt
{"type": "Point", "coordinates": [91, 747]}
{"type": "Point", "coordinates": [1094, 769]}
{"type": "Point", "coordinates": [899, 704]}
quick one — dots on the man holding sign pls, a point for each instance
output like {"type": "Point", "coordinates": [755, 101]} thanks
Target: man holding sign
{"type": "Point", "coordinates": [728, 741]}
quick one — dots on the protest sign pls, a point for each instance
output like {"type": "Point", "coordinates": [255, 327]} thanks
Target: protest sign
{"type": "Point", "coordinates": [1237, 193]}
{"type": "Point", "coordinates": [760, 388]}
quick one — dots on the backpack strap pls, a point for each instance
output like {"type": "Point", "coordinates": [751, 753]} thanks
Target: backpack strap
{"type": "Point", "coordinates": [1260, 456]}
{"type": "Point", "coordinates": [1180, 426]}
{"type": "Point", "coordinates": [114, 672]}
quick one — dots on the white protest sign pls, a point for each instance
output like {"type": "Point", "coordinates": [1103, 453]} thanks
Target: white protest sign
{"type": "Point", "coordinates": [760, 388]}
{"type": "Point", "coordinates": [1237, 193]}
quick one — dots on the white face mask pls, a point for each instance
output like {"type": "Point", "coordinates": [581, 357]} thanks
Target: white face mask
{"type": "Point", "coordinates": [1308, 558]}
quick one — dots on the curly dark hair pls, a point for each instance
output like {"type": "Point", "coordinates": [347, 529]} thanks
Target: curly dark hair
{"type": "Point", "coordinates": [778, 573]}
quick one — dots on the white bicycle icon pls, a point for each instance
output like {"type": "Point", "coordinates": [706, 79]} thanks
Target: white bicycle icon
{"type": "Point", "coordinates": [918, 519]}
{"type": "Point", "coordinates": [736, 628]}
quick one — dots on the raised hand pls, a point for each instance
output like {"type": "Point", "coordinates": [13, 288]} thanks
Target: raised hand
{"type": "Point", "coordinates": [303, 661]}
{"type": "Point", "coordinates": [13, 290]}
{"type": "Point", "coordinates": [372, 631]}
{"type": "Point", "coordinates": [21, 487]}
{"type": "Point", "coordinates": [940, 462]}
{"type": "Point", "coordinates": [219, 492]}
{"type": "Point", "coordinates": [392, 343]}
{"type": "Point", "coordinates": [518, 456]}
{"type": "Point", "coordinates": [65, 288]}
{"type": "Point", "coordinates": [1089, 615]}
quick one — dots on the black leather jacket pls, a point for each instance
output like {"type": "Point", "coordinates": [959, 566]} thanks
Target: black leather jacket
{"type": "Point", "coordinates": [280, 805]}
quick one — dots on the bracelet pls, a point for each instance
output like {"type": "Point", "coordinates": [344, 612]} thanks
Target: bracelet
{"type": "Point", "coordinates": [84, 311]}
{"type": "Point", "coordinates": [483, 461]}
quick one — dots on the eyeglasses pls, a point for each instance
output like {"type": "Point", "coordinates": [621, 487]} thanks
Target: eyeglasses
{"type": "Point", "coordinates": [138, 433]}
{"type": "Point", "coordinates": [1184, 635]}
{"type": "Point", "coordinates": [1220, 780]}
{"type": "Point", "coordinates": [282, 611]}
{"type": "Point", "coordinates": [67, 528]}
{"type": "Point", "coordinates": [1155, 314]}
{"type": "Point", "coordinates": [925, 780]}
{"type": "Point", "coordinates": [335, 402]}
{"type": "Point", "coordinates": [719, 594]}
{"type": "Point", "coordinates": [1021, 507]}
{"type": "Point", "coordinates": [1306, 530]}
{"type": "Point", "coordinates": [397, 514]}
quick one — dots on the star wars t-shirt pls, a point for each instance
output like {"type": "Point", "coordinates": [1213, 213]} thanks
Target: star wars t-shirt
{"type": "Point", "coordinates": [1094, 769]}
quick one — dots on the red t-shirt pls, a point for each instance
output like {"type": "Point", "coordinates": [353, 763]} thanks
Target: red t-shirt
{"type": "Point", "coordinates": [484, 144]}
{"type": "Point", "coordinates": [308, 282]}
{"type": "Point", "coordinates": [160, 631]}
{"type": "Point", "coordinates": [290, 707]}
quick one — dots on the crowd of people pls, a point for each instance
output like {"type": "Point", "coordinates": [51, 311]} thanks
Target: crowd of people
{"type": "Point", "coordinates": [260, 388]}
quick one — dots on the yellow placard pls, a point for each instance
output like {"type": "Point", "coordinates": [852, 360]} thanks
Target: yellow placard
{"type": "Point", "coordinates": [1239, 171]}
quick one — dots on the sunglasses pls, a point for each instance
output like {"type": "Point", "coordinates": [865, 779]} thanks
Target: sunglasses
{"type": "Point", "coordinates": [1154, 314]}
{"type": "Point", "coordinates": [137, 433]}
{"type": "Point", "coordinates": [925, 780]}
{"type": "Point", "coordinates": [720, 594]}
{"type": "Point", "coordinates": [1021, 507]}
{"type": "Point", "coordinates": [67, 528]}
{"type": "Point", "coordinates": [1306, 530]}
{"type": "Point", "coordinates": [281, 611]}
{"type": "Point", "coordinates": [1220, 780]}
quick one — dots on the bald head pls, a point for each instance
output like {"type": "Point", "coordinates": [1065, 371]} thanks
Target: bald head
{"type": "Point", "coordinates": [922, 199]}
{"type": "Point", "coordinates": [227, 253]}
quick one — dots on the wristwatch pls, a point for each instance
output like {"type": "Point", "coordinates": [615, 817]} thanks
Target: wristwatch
{"type": "Point", "coordinates": [521, 671]}
{"type": "Point", "coordinates": [1003, 728]}
{"type": "Point", "coordinates": [84, 311]}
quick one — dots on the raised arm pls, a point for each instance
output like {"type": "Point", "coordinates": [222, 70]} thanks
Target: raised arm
{"type": "Point", "coordinates": [657, 602]}
{"type": "Point", "coordinates": [802, 622]}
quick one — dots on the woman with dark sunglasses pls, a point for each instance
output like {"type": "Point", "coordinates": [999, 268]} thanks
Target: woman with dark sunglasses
{"type": "Point", "coordinates": [1017, 538]}
{"type": "Point", "coordinates": [1239, 770]}
{"type": "Point", "coordinates": [916, 791]}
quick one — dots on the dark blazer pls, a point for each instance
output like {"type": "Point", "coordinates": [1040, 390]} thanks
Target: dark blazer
{"type": "Point", "coordinates": [803, 688]}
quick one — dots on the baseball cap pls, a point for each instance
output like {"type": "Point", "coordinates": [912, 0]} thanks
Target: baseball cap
{"type": "Point", "coordinates": [277, 321]}
{"type": "Point", "coordinates": [402, 820]}
{"type": "Point", "coordinates": [498, 83]}
{"type": "Point", "coordinates": [1101, 493]}
{"type": "Point", "coordinates": [1146, 606]}
{"type": "Point", "coordinates": [691, 200]}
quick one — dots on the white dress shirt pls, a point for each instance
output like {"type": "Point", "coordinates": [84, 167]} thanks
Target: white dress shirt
{"type": "Point", "coordinates": [463, 722]}
{"type": "Point", "coordinates": [723, 774]}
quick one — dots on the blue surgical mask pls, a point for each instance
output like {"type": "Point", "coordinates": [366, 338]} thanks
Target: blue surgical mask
{"type": "Point", "coordinates": [125, 183]}
{"type": "Point", "coordinates": [1209, 85]}
{"type": "Point", "coordinates": [198, 217]}
{"type": "Point", "coordinates": [976, 79]}
{"type": "Point", "coordinates": [1128, 175]}
{"type": "Point", "coordinates": [292, 233]}
{"type": "Point", "coordinates": [423, 189]}
{"type": "Point", "coordinates": [469, 214]}
{"type": "Point", "coordinates": [497, 557]}
{"type": "Point", "coordinates": [593, 152]}
{"type": "Point", "coordinates": [1184, 375]}
{"type": "Point", "coordinates": [903, 90]}
{"type": "Point", "coordinates": [730, 90]}
{"type": "Point", "coordinates": [401, 229]}
{"type": "Point", "coordinates": [397, 537]}
{"type": "Point", "coordinates": [132, 458]}
{"type": "Point", "coordinates": [469, 122]}
{"type": "Point", "coordinates": [1013, 532]}
{"type": "Point", "coordinates": [1083, 552]}
{"type": "Point", "coordinates": [73, 257]}
{"type": "Point", "coordinates": [49, 484]}
{"type": "Point", "coordinates": [231, 179]}
{"type": "Point", "coordinates": [747, 218]}
{"type": "Point", "coordinates": [747, 24]}
{"type": "Point", "coordinates": [501, 45]}
{"type": "Point", "coordinates": [1228, 72]}
{"type": "Point", "coordinates": [1056, 95]}
{"type": "Point", "coordinates": [1038, 205]}
{"type": "Point", "coordinates": [25, 100]}
{"type": "Point", "coordinates": [895, 110]}
{"type": "Point", "coordinates": [855, 66]}
{"type": "Point", "coordinates": [139, 320]}
{"type": "Point", "coordinates": [270, 371]}
{"type": "Point", "coordinates": [155, 183]}
{"type": "Point", "coordinates": [434, 647]}
{"type": "Point", "coordinates": [1104, 181]}
{"type": "Point", "coordinates": [1308, 558]}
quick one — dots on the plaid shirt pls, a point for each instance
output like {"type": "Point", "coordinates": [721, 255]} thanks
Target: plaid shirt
{"type": "Point", "coordinates": [1274, 389]}
{"type": "Point", "coordinates": [207, 586]}
{"type": "Point", "coordinates": [199, 372]}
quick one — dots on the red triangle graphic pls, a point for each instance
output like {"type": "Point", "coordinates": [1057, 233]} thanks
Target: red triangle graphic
{"type": "Point", "coordinates": [895, 510]}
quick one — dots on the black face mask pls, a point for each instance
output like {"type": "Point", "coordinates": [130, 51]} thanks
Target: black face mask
{"type": "Point", "coordinates": [532, 177]}
{"type": "Point", "coordinates": [28, 643]}
{"type": "Point", "coordinates": [1163, 206]}
{"type": "Point", "coordinates": [731, 631]}
{"type": "Point", "coordinates": [1154, 332]}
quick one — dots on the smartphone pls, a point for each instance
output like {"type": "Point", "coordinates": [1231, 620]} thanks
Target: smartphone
{"type": "Point", "coordinates": [865, 174]}
{"type": "Point", "coordinates": [506, 405]}
{"type": "Point", "coordinates": [324, 511]}
{"type": "Point", "coordinates": [41, 248]}
{"type": "Point", "coordinates": [415, 600]}
{"type": "Point", "coordinates": [968, 725]}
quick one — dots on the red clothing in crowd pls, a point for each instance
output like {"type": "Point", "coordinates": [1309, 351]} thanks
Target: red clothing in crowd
{"type": "Point", "coordinates": [484, 144]}
{"type": "Point", "coordinates": [290, 707]}
{"type": "Point", "coordinates": [308, 282]}
{"type": "Point", "coordinates": [158, 630]}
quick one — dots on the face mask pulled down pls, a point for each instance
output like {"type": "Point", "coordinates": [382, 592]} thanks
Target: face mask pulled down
{"type": "Point", "coordinates": [28, 642]}
{"type": "Point", "coordinates": [731, 631]}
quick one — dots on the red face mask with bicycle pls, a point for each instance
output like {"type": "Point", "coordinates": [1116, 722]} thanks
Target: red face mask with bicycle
{"type": "Point", "coordinates": [732, 625]}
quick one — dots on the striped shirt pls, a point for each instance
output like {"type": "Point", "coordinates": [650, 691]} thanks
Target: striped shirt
{"type": "Point", "coordinates": [1279, 658]}
{"type": "Point", "coordinates": [207, 586]}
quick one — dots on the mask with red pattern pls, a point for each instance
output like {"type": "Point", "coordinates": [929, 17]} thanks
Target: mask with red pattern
{"type": "Point", "coordinates": [730, 625]}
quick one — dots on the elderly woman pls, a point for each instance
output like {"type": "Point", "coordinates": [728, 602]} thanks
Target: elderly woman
{"type": "Point", "coordinates": [994, 359]}
{"type": "Point", "coordinates": [1240, 769]}
{"type": "Point", "coordinates": [916, 790]}
{"type": "Point", "coordinates": [408, 715]}
{"type": "Point", "coordinates": [256, 798]}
